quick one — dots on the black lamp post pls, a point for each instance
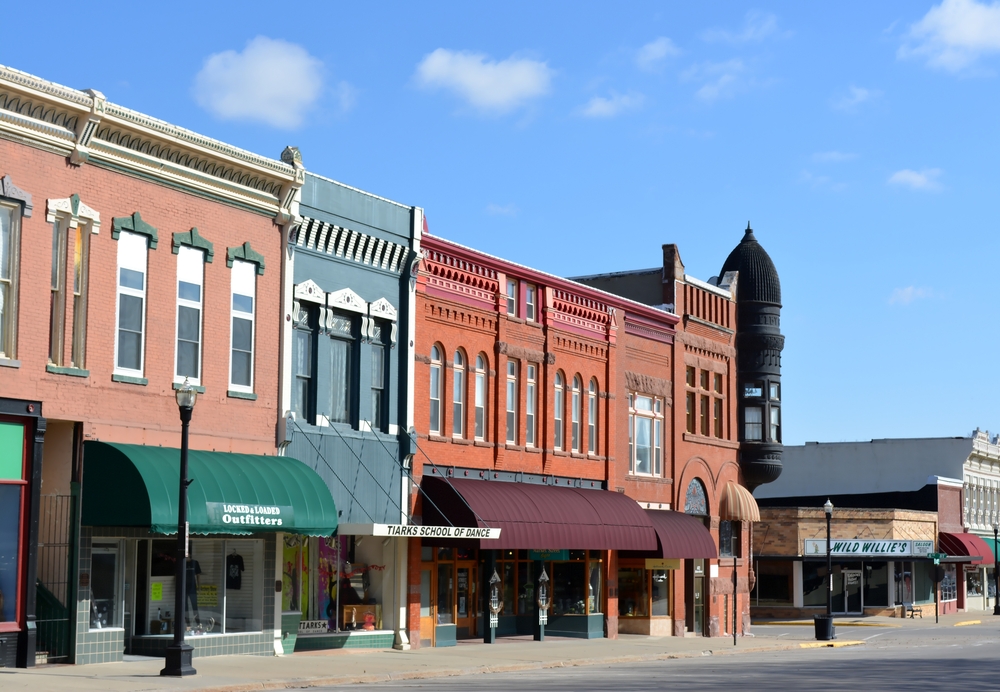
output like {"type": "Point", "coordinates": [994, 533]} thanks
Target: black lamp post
{"type": "Point", "coordinates": [996, 572]}
{"type": "Point", "coordinates": [828, 508]}
{"type": "Point", "coordinates": [179, 654]}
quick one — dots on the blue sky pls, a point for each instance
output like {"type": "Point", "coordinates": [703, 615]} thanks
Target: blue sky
{"type": "Point", "coordinates": [859, 138]}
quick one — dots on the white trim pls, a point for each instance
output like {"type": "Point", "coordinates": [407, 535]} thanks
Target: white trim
{"type": "Point", "coordinates": [346, 299]}
{"type": "Point", "coordinates": [708, 287]}
{"type": "Point", "coordinates": [190, 252]}
{"type": "Point", "coordinates": [124, 239]}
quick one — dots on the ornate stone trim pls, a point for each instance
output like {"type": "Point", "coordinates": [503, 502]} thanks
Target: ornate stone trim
{"type": "Point", "coordinates": [135, 224]}
{"type": "Point", "coordinates": [383, 309]}
{"type": "Point", "coordinates": [346, 299]}
{"type": "Point", "coordinates": [193, 239]}
{"type": "Point", "coordinates": [521, 353]}
{"type": "Point", "coordinates": [247, 254]}
{"type": "Point", "coordinates": [309, 291]}
{"type": "Point", "coordinates": [11, 191]}
{"type": "Point", "coordinates": [646, 384]}
{"type": "Point", "coordinates": [706, 344]}
{"type": "Point", "coordinates": [72, 209]}
{"type": "Point", "coordinates": [330, 239]}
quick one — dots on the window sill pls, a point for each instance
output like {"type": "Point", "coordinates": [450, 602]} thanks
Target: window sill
{"type": "Point", "coordinates": [178, 385]}
{"type": "Point", "coordinates": [128, 379]}
{"type": "Point", "coordinates": [8, 363]}
{"type": "Point", "coordinates": [511, 318]}
{"type": "Point", "coordinates": [648, 479]}
{"type": "Point", "coordinates": [249, 396]}
{"type": "Point", "coordinates": [438, 438]}
{"type": "Point", "coordinates": [714, 441]}
{"type": "Point", "coordinates": [533, 450]}
{"type": "Point", "coordinates": [596, 457]}
{"type": "Point", "coordinates": [513, 447]}
{"type": "Point", "coordinates": [559, 453]}
{"type": "Point", "coordinates": [577, 455]}
{"type": "Point", "coordinates": [72, 372]}
{"type": "Point", "coordinates": [533, 323]}
{"type": "Point", "coordinates": [461, 441]}
{"type": "Point", "coordinates": [482, 443]}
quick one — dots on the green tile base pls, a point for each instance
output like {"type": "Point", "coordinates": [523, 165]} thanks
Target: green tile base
{"type": "Point", "coordinates": [345, 640]}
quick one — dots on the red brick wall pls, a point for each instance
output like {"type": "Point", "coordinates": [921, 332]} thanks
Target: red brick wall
{"type": "Point", "coordinates": [121, 412]}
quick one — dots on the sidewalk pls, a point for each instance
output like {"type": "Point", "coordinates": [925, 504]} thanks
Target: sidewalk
{"type": "Point", "coordinates": [311, 669]}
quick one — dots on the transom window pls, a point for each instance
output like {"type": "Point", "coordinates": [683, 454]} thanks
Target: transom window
{"type": "Point", "coordinates": [645, 432]}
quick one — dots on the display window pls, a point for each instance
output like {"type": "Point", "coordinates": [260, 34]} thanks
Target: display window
{"type": "Point", "coordinates": [105, 585]}
{"type": "Point", "coordinates": [12, 487]}
{"type": "Point", "coordinates": [643, 592]}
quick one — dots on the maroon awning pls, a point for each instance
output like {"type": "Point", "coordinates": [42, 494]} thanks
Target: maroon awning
{"type": "Point", "coordinates": [966, 545]}
{"type": "Point", "coordinates": [682, 535]}
{"type": "Point", "coordinates": [539, 517]}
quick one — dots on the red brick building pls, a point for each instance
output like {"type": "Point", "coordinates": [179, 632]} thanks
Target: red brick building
{"type": "Point", "coordinates": [557, 412]}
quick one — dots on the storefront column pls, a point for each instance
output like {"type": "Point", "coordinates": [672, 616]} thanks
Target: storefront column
{"type": "Point", "coordinates": [797, 600]}
{"type": "Point", "coordinates": [401, 571]}
{"type": "Point", "coordinates": [279, 539]}
{"type": "Point", "coordinates": [611, 582]}
{"type": "Point", "coordinates": [412, 600]}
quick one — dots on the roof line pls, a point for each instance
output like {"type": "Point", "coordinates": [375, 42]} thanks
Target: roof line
{"type": "Point", "coordinates": [358, 190]}
{"type": "Point", "coordinates": [628, 272]}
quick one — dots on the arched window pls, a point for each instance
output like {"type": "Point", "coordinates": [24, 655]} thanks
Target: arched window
{"type": "Point", "coordinates": [458, 396]}
{"type": "Point", "coordinates": [592, 418]}
{"type": "Point", "coordinates": [560, 403]}
{"type": "Point", "coordinates": [481, 397]}
{"type": "Point", "coordinates": [696, 501]}
{"type": "Point", "coordinates": [435, 393]}
{"type": "Point", "coordinates": [575, 413]}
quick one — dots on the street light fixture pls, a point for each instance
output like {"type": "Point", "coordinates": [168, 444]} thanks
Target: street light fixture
{"type": "Point", "coordinates": [179, 654]}
{"type": "Point", "coordinates": [824, 623]}
{"type": "Point", "coordinates": [996, 571]}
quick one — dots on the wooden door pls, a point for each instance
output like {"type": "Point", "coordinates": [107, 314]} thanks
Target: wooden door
{"type": "Point", "coordinates": [466, 578]}
{"type": "Point", "coordinates": [428, 609]}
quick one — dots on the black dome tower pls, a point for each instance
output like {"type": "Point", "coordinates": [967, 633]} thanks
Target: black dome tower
{"type": "Point", "coordinates": [758, 365]}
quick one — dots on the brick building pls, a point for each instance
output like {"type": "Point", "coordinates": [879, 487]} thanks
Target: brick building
{"type": "Point", "coordinates": [534, 397]}
{"type": "Point", "coordinates": [158, 254]}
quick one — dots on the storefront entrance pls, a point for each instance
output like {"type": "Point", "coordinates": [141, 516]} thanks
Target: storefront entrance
{"type": "Point", "coordinates": [695, 606]}
{"type": "Point", "coordinates": [466, 603]}
{"type": "Point", "coordinates": [847, 594]}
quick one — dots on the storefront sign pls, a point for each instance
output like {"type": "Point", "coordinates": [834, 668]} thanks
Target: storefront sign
{"type": "Point", "coordinates": [417, 531]}
{"type": "Point", "coordinates": [870, 548]}
{"type": "Point", "coordinates": [314, 627]}
{"type": "Point", "coordinates": [233, 515]}
{"type": "Point", "coordinates": [548, 555]}
{"type": "Point", "coordinates": [662, 563]}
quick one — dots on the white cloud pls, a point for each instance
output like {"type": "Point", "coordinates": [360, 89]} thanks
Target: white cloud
{"type": "Point", "coordinates": [271, 81]}
{"type": "Point", "coordinates": [347, 96]}
{"type": "Point", "coordinates": [824, 182]}
{"type": "Point", "coordinates": [854, 97]}
{"type": "Point", "coordinates": [757, 26]}
{"type": "Point", "coordinates": [720, 80]}
{"type": "Point", "coordinates": [905, 296]}
{"type": "Point", "coordinates": [652, 55]}
{"type": "Point", "coordinates": [952, 36]}
{"type": "Point", "coordinates": [501, 210]}
{"type": "Point", "coordinates": [924, 179]}
{"type": "Point", "coordinates": [833, 157]}
{"type": "Point", "coordinates": [488, 85]}
{"type": "Point", "coordinates": [601, 107]}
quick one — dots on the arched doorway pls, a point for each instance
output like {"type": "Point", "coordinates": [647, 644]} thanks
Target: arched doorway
{"type": "Point", "coordinates": [695, 577]}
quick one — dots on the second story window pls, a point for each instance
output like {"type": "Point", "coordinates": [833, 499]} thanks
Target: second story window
{"type": "Point", "coordinates": [379, 404]}
{"type": "Point", "coordinates": [575, 414]}
{"type": "Point", "coordinates": [530, 303]}
{"type": "Point", "coordinates": [458, 396]}
{"type": "Point", "coordinates": [512, 297]}
{"type": "Point", "coordinates": [511, 402]}
{"type": "Point", "coordinates": [560, 403]}
{"type": "Point", "coordinates": [130, 341]}
{"type": "Point", "coordinates": [244, 294]}
{"type": "Point", "coordinates": [729, 538]}
{"type": "Point", "coordinates": [753, 424]}
{"type": "Point", "coordinates": [592, 417]}
{"type": "Point", "coordinates": [435, 393]}
{"type": "Point", "coordinates": [481, 376]}
{"type": "Point", "coordinates": [645, 435]}
{"type": "Point", "coordinates": [190, 280]}
{"type": "Point", "coordinates": [10, 231]}
{"type": "Point", "coordinates": [302, 370]}
{"type": "Point", "coordinates": [775, 424]}
{"type": "Point", "coordinates": [531, 403]}
{"type": "Point", "coordinates": [341, 367]}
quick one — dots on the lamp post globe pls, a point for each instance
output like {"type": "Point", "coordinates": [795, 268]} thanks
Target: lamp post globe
{"type": "Point", "coordinates": [179, 653]}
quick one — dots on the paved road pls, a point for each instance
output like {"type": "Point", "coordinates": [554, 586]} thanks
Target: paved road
{"type": "Point", "coordinates": [924, 659]}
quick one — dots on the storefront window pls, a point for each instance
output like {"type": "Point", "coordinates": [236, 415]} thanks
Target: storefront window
{"type": "Point", "coordinates": [974, 584]}
{"type": "Point", "coordinates": [633, 596]}
{"type": "Point", "coordinates": [774, 582]}
{"type": "Point", "coordinates": [923, 584]}
{"type": "Point", "coordinates": [876, 584]}
{"type": "Point", "coordinates": [949, 585]}
{"type": "Point", "coordinates": [295, 575]}
{"type": "Point", "coordinates": [567, 584]}
{"type": "Point", "coordinates": [446, 591]}
{"type": "Point", "coordinates": [594, 605]}
{"type": "Point", "coordinates": [814, 584]}
{"type": "Point", "coordinates": [660, 592]}
{"type": "Point", "coordinates": [104, 586]}
{"type": "Point", "coordinates": [243, 586]}
{"type": "Point", "coordinates": [10, 532]}
{"type": "Point", "coordinates": [509, 579]}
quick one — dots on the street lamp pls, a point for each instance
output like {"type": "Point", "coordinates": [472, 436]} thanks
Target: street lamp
{"type": "Point", "coordinates": [828, 508]}
{"type": "Point", "coordinates": [996, 571]}
{"type": "Point", "coordinates": [179, 654]}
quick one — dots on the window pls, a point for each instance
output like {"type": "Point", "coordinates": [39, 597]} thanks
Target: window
{"type": "Point", "coordinates": [481, 397]}
{"type": "Point", "coordinates": [775, 391]}
{"type": "Point", "coordinates": [753, 390]}
{"type": "Point", "coordinates": [530, 406]}
{"type": "Point", "coordinates": [302, 356]}
{"type": "Point", "coordinates": [691, 414]}
{"type": "Point", "coordinates": [753, 424]}
{"type": "Point", "coordinates": [695, 499]}
{"type": "Point", "coordinates": [435, 427]}
{"type": "Point", "coordinates": [775, 424]}
{"type": "Point", "coordinates": [729, 538]}
{"type": "Point", "coordinates": [512, 297]}
{"type": "Point", "coordinates": [243, 286]}
{"type": "Point", "coordinates": [592, 417]}
{"type": "Point", "coordinates": [645, 434]}
{"type": "Point", "coordinates": [705, 416]}
{"type": "Point", "coordinates": [511, 402]}
{"type": "Point", "coordinates": [81, 270]}
{"type": "Point", "coordinates": [717, 417]}
{"type": "Point", "coordinates": [458, 396]}
{"type": "Point", "coordinates": [530, 303]}
{"type": "Point", "coordinates": [704, 379]}
{"type": "Point", "coordinates": [57, 298]}
{"type": "Point", "coordinates": [717, 383]}
{"type": "Point", "coordinates": [190, 281]}
{"type": "Point", "coordinates": [575, 414]}
{"type": "Point", "coordinates": [379, 405]}
{"type": "Point", "coordinates": [13, 470]}
{"type": "Point", "coordinates": [341, 329]}
{"type": "Point", "coordinates": [559, 404]}
{"type": "Point", "coordinates": [10, 228]}
{"type": "Point", "coordinates": [689, 376]}
{"type": "Point", "coordinates": [129, 345]}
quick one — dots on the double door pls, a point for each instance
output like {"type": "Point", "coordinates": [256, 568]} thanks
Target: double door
{"type": "Point", "coordinates": [449, 596]}
{"type": "Point", "coordinates": [848, 597]}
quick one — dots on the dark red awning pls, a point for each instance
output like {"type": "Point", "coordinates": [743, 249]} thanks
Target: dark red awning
{"type": "Point", "coordinates": [682, 535]}
{"type": "Point", "coordinates": [539, 517]}
{"type": "Point", "coordinates": [966, 545]}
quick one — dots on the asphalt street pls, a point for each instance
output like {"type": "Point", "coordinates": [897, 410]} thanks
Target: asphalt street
{"type": "Point", "coordinates": [931, 658]}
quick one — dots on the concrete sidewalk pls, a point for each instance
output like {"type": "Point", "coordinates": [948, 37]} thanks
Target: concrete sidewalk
{"type": "Point", "coordinates": [312, 669]}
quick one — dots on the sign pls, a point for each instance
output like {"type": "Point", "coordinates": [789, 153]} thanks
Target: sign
{"type": "Point", "coordinates": [156, 591]}
{"type": "Point", "coordinates": [662, 563]}
{"type": "Point", "coordinates": [313, 627]}
{"type": "Point", "coordinates": [548, 555]}
{"type": "Point", "coordinates": [937, 557]}
{"type": "Point", "coordinates": [418, 531]}
{"type": "Point", "coordinates": [208, 596]}
{"type": "Point", "coordinates": [251, 517]}
{"type": "Point", "coordinates": [869, 548]}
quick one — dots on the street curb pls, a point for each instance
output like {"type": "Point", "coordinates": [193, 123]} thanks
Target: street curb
{"type": "Point", "coordinates": [832, 645]}
{"type": "Point", "coordinates": [302, 683]}
{"type": "Point", "coordinates": [967, 622]}
{"type": "Point", "coordinates": [809, 623]}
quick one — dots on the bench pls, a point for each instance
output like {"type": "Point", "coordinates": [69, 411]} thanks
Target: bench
{"type": "Point", "coordinates": [909, 609]}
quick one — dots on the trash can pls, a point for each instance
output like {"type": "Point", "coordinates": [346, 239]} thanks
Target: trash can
{"type": "Point", "coordinates": [824, 627]}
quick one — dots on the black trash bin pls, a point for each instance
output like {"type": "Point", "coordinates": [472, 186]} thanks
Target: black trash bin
{"type": "Point", "coordinates": [824, 627]}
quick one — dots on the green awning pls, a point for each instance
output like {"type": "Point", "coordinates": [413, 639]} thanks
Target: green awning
{"type": "Point", "coordinates": [135, 485]}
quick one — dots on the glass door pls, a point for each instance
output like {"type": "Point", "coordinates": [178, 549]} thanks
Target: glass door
{"type": "Point", "coordinates": [852, 591]}
{"type": "Point", "coordinates": [427, 621]}
{"type": "Point", "coordinates": [465, 599]}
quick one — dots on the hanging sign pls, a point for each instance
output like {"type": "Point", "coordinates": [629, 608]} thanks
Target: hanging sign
{"type": "Point", "coordinates": [418, 531]}
{"type": "Point", "coordinates": [662, 563]}
{"type": "Point", "coordinates": [250, 517]}
{"type": "Point", "coordinates": [869, 548]}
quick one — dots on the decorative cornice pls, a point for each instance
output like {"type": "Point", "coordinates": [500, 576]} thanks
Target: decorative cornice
{"type": "Point", "coordinates": [522, 353]}
{"type": "Point", "coordinates": [247, 254]}
{"type": "Point", "coordinates": [706, 344]}
{"type": "Point", "coordinates": [135, 224]}
{"type": "Point", "coordinates": [193, 239]}
{"type": "Point", "coordinates": [310, 292]}
{"type": "Point", "coordinates": [330, 239]}
{"type": "Point", "coordinates": [11, 191]}
{"type": "Point", "coordinates": [87, 128]}
{"type": "Point", "coordinates": [646, 384]}
{"type": "Point", "coordinates": [72, 209]}
{"type": "Point", "coordinates": [382, 309]}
